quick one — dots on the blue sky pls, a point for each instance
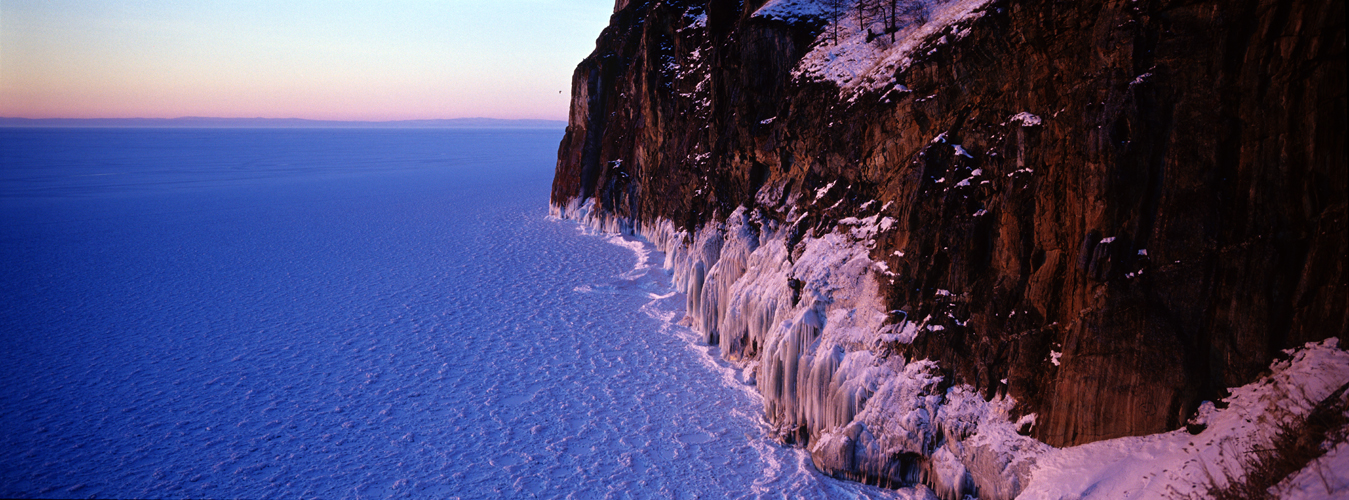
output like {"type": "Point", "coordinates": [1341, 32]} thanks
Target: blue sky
{"type": "Point", "coordinates": [305, 59]}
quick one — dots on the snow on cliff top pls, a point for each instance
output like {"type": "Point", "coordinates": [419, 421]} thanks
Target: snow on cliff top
{"type": "Point", "coordinates": [842, 54]}
{"type": "Point", "coordinates": [794, 11]}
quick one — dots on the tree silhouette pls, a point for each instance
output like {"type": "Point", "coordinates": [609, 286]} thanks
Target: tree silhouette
{"type": "Point", "coordinates": [836, 9]}
{"type": "Point", "coordinates": [891, 15]}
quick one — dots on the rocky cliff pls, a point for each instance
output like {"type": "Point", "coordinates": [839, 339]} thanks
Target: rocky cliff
{"type": "Point", "coordinates": [1093, 215]}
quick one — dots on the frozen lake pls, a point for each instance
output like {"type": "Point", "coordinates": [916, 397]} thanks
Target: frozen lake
{"type": "Point", "coordinates": [347, 313]}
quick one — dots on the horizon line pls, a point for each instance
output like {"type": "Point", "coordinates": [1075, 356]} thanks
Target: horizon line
{"type": "Point", "coordinates": [478, 122]}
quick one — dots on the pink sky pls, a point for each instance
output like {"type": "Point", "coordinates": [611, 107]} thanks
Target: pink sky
{"type": "Point", "coordinates": [320, 60]}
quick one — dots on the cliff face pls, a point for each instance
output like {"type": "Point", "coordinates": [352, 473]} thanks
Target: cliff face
{"type": "Point", "coordinates": [1109, 211]}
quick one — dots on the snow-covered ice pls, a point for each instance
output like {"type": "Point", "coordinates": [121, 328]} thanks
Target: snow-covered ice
{"type": "Point", "coordinates": [346, 313]}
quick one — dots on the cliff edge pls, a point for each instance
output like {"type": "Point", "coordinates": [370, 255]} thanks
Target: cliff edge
{"type": "Point", "coordinates": [1075, 220]}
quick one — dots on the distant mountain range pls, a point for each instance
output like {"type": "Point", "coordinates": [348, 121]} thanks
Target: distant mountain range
{"type": "Point", "coordinates": [204, 122]}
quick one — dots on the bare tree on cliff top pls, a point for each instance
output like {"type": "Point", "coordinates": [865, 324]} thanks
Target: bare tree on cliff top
{"type": "Point", "coordinates": [913, 11]}
{"type": "Point", "coordinates": [889, 14]}
{"type": "Point", "coordinates": [869, 12]}
{"type": "Point", "coordinates": [836, 9]}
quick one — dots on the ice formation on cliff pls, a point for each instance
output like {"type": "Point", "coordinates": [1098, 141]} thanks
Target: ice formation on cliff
{"type": "Point", "coordinates": [806, 323]}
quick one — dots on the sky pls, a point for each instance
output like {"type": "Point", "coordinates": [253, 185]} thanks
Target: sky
{"type": "Point", "coordinates": [323, 60]}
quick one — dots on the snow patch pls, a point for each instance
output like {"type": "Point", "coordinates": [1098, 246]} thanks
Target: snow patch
{"type": "Point", "coordinates": [1025, 119]}
{"type": "Point", "coordinates": [819, 193]}
{"type": "Point", "coordinates": [868, 228]}
{"type": "Point", "coordinates": [1326, 477]}
{"type": "Point", "coordinates": [794, 11]}
{"type": "Point", "coordinates": [866, 59]}
{"type": "Point", "coordinates": [1178, 464]}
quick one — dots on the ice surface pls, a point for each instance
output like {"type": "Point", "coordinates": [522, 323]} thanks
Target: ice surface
{"type": "Point", "coordinates": [306, 313]}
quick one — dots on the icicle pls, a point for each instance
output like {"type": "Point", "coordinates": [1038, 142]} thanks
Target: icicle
{"type": "Point", "coordinates": [822, 386]}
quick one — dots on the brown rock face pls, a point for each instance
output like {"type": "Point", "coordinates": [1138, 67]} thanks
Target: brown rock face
{"type": "Point", "coordinates": [1176, 217]}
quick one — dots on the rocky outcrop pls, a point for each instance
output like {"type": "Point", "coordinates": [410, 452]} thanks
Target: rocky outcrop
{"type": "Point", "coordinates": [1109, 211]}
